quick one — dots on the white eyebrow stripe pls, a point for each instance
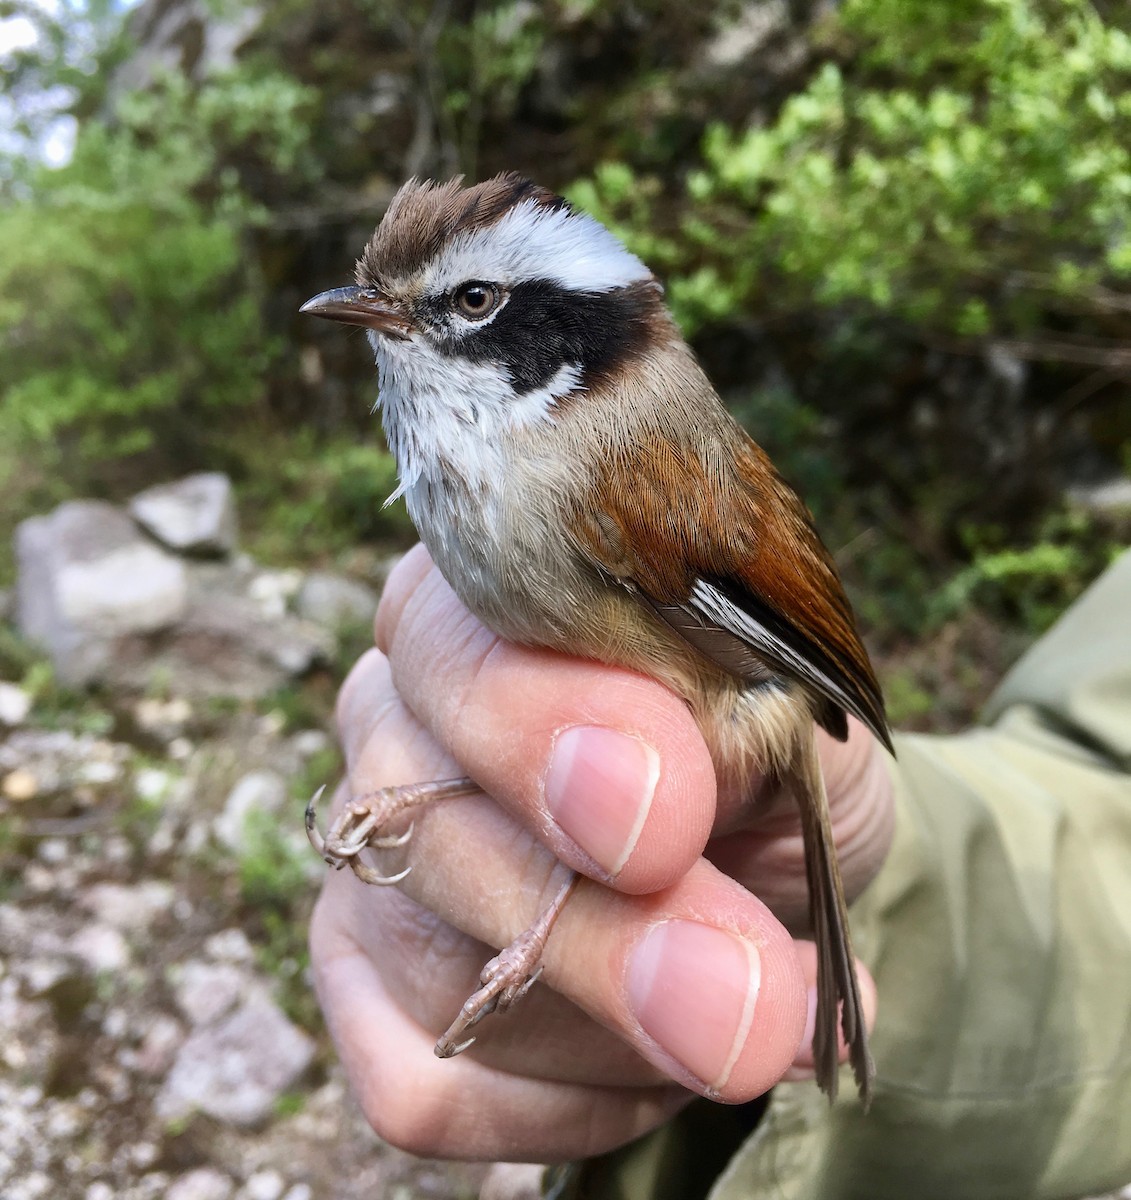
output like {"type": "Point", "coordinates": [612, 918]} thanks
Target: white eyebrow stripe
{"type": "Point", "coordinates": [535, 242]}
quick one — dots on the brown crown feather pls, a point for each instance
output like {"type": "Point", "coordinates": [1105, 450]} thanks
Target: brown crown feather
{"type": "Point", "coordinates": [423, 216]}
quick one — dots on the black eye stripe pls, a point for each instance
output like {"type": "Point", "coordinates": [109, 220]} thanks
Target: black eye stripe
{"type": "Point", "coordinates": [545, 326]}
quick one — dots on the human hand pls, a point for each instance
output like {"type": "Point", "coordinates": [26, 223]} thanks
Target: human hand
{"type": "Point", "coordinates": [668, 969]}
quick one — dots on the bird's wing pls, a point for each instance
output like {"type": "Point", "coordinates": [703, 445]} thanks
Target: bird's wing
{"type": "Point", "coordinates": [720, 547]}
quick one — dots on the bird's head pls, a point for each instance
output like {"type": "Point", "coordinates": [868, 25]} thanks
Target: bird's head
{"type": "Point", "coordinates": [491, 305]}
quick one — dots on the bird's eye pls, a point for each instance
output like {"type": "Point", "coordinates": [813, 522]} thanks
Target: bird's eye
{"type": "Point", "coordinates": [476, 300]}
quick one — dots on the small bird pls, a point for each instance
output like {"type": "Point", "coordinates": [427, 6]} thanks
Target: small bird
{"type": "Point", "coordinates": [580, 485]}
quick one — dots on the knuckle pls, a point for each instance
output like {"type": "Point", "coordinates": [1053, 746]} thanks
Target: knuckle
{"type": "Point", "coordinates": [365, 674]}
{"type": "Point", "coordinates": [408, 572]}
{"type": "Point", "coordinates": [416, 1121]}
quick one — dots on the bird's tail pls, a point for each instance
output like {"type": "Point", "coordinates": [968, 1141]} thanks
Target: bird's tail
{"type": "Point", "coordinates": [838, 988]}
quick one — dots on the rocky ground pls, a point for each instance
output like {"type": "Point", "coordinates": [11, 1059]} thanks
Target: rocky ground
{"type": "Point", "coordinates": [160, 1034]}
{"type": "Point", "coordinates": [160, 1037]}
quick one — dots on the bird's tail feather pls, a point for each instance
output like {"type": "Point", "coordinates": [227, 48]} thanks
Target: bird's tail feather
{"type": "Point", "coordinates": [838, 987]}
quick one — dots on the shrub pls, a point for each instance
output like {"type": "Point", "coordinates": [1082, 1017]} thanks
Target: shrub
{"type": "Point", "coordinates": [129, 311]}
{"type": "Point", "coordinates": [963, 167]}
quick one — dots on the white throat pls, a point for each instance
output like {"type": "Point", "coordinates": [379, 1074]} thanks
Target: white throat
{"type": "Point", "coordinates": [446, 416]}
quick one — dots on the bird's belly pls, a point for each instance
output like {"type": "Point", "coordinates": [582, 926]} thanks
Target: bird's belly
{"type": "Point", "coordinates": [517, 572]}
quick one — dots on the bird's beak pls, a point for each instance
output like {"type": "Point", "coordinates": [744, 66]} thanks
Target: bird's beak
{"type": "Point", "coordinates": [360, 306]}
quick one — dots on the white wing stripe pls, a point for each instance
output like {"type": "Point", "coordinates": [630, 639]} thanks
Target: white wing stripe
{"type": "Point", "coordinates": [718, 609]}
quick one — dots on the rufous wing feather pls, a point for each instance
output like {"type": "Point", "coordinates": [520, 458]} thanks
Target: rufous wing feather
{"type": "Point", "coordinates": [725, 551]}
{"type": "Point", "coordinates": [711, 539]}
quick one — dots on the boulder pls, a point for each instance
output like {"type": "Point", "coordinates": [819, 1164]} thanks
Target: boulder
{"type": "Point", "coordinates": [336, 601]}
{"type": "Point", "coordinates": [113, 608]}
{"type": "Point", "coordinates": [194, 515]}
{"type": "Point", "coordinates": [235, 1068]}
{"type": "Point", "coordinates": [256, 792]}
{"type": "Point", "coordinates": [226, 644]}
{"type": "Point", "coordinates": [88, 579]}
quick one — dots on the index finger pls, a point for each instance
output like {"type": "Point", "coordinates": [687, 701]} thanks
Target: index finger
{"type": "Point", "coordinates": [606, 767]}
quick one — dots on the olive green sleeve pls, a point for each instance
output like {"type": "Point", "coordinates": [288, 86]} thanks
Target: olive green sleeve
{"type": "Point", "coordinates": [999, 935]}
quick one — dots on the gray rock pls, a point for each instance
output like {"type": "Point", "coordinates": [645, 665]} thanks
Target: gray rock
{"type": "Point", "coordinates": [753, 26]}
{"type": "Point", "coordinates": [236, 1068]}
{"type": "Point", "coordinates": [89, 581]}
{"type": "Point", "coordinates": [204, 1183]}
{"type": "Point", "coordinates": [256, 792]}
{"type": "Point", "coordinates": [189, 38]}
{"type": "Point", "coordinates": [206, 991]}
{"type": "Point", "coordinates": [336, 601]}
{"type": "Point", "coordinates": [1111, 499]}
{"type": "Point", "coordinates": [273, 591]}
{"type": "Point", "coordinates": [263, 1185]}
{"type": "Point", "coordinates": [309, 742]}
{"type": "Point", "coordinates": [129, 908]}
{"type": "Point", "coordinates": [159, 1045]}
{"type": "Point", "coordinates": [225, 644]}
{"type": "Point", "coordinates": [15, 704]}
{"type": "Point", "coordinates": [513, 1181]}
{"type": "Point", "coordinates": [195, 515]}
{"type": "Point", "coordinates": [229, 945]}
{"type": "Point", "coordinates": [112, 607]}
{"type": "Point", "coordinates": [101, 949]}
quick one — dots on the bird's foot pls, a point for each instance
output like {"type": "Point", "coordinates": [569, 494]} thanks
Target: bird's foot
{"type": "Point", "coordinates": [365, 819]}
{"type": "Point", "coordinates": [507, 977]}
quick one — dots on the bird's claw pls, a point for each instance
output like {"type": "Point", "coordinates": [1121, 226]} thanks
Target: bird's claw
{"type": "Point", "coordinates": [354, 829]}
{"type": "Point", "coordinates": [361, 821]}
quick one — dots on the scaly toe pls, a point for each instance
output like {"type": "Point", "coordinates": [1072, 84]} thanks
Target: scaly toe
{"type": "Point", "coordinates": [394, 841]}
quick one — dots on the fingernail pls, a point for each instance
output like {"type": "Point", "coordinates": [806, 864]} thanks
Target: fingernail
{"type": "Point", "coordinates": [599, 788]}
{"type": "Point", "coordinates": [693, 988]}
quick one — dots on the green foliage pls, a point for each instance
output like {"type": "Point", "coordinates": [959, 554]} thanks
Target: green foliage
{"type": "Point", "coordinates": [273, 870]}
{"type": "Point", "coordinates": [906, 697]}
{"type": "Point", "coordinates": [968, 169]}
{"type": "Point", "coordinates": [949, 176]}
{"type": "Point", "coordinates": [316, 497]}
{"type": "Point", "coordinates": [319, 770]}
{"type": "Point", "coordinates": [54, 705]}
{"type": "Point", "coordinates": [281, 951]}
{"type": "Point", "coordinates": [275, 884]}
{"type": "Point", "coordinates": [489, 59]}
{"type": "Point", "coordinates": [129, 313]}
{"type": "Point", "coordinates": [1031, 585]}
{"type": "Point", "coordinates": [62, 70]}
{"type": "Point", "coordinates": [289, 1104]}
{"type": "Point", "coordinates": [299, 706]}
{"type": "Point", "coordinates": [793, 434]}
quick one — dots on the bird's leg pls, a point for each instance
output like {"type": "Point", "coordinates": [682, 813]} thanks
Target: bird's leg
{"type": "Point", "coordinates": [512, 972]}
{"type": "Point", "coordinates": [507, 977]}
{"type": "Point", "coordinates": [361, 822]}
